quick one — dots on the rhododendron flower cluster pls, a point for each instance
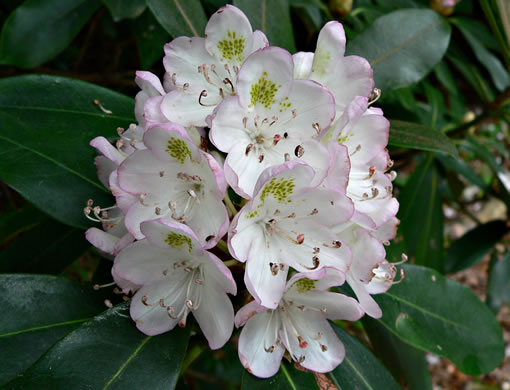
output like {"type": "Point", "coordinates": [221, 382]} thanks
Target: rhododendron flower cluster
{"type": "Point", "coordinates": [310, 204]}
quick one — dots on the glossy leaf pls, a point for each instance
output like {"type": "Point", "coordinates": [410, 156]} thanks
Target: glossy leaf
{"type": "Point", "coordinates": [14, 222]}
{"type": "Point", "coordinates": [38, 30]}
{"type": "Point", "coordinates": [108, 352]}
{"type": "Point", "coordinates": [150, 39]}
{"type": "Point", "coordinates": [360, 369]}
{"type": "Point", "coordinates": [123, 9]}
{"type": "Point", "coordinates": [406, 363]}
{"type": "Point", "coordinates": [421, 216]}
{"type": "Point", "coordinates": [404, 55]}
{"type": "Point", "coordinates": [273, 18]}
{"type": "Point", "coordinates": [47, 246]}
{"type": "Point", "coordinates": [37, 310]}
{"type": "Point", "coordinates": [474, 245]}
{"type": "Point", "coordinates": [287, 378]}
{"type": "Point", "coordinates": [416, 136]}
{"type": "Point", "coordinates": [462, 168]}
{"type": "Point", "coordinates": [180, 17]}
{"type": "Point", "coordinates": [436, 314]}
{"type": "Point", "coordinates": [499, 283]}
{"type": "Point", "coordinates": [493, 65]}
{"type": "Point", "coordinates": [46, 125]}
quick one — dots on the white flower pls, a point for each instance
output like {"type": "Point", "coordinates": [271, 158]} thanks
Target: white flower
{"type": "Point", "coordinates": [273, 119]}
{"type": "Point", "coordinates": [176, 277]}
{"type": "Point", "coordinates": [288, 224]}
{"type": "Point", "coordinates": [173, 179]}
{"type": "Point", "coordinates": [204, 70]}
{"type": "Point", "coordinates": [299, 325]}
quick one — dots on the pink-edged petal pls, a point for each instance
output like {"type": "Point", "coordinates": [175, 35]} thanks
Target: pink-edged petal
{"type": "Point", "coordinates": [217, 170]}
{"type": "Point", "coordinates": [308, 325]}
{"type": "Point", "coordinates": [384, 274]}
{"type": "Point", "coordinates": [157, 233]}
{"type": "Point", "coordinates": [387, 231]}
{"type": "Point", "coordinates": [137, 214]}
{"type": "Point", "coordinates": [149, 83]}
{"type": "Point", "coordinates": [170, 142]}
{"type": "Point", "coordinates": [215, 316]}
{"type": "Point", "coordinates": [184, 108]}
{"type": "Point", "coordinates": [302, 64]}
{"type": "Point", "coordinates": [330, 49]}
{"type": "Point", "coordinates": [323, 279]}
{"type": "Point", "coordinates": [246, 312]}
{"type": "Point", "coordinates": [259, 334]}
{"type": "Point", "coordinates": [264, 78]}
{"type": "Point", "coordinates": [367, 252]}
{"type": "Point", "coordinates": [334, 306]}
{"type": "Point", "coordinates": [152, 111]}
{"type": "Point", "coordinates": [338, 173]}
{"type": "Point", "coordinates": [366, 301]}
{"type": "Point", "coordinates": [229, 35]}
{"type": "Point", "coordinates": [123, 242]}
{"type": "Point", "coordinates": [124, 199]}
{"type": "Point", "coordinates": [101, 239]}
{"type": "Point", "coordinates": [126, 286]}
{"type": "Point", "coordinates": [259, 40]}
{"type": "Point", "coordinates": [104, 167]}
{"type": "Point", "coordinates": [104, 147]}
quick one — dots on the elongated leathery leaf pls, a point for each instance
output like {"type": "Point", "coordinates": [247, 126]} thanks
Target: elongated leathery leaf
{"type": "Point", "coordinates": [46, 124]}
{"type": "Point", "coordinates": [404, 55]}
{"type": "Point", "coordinates": [416, 136]}
{"type": "Point", "coordinates": [287, 378]}
{"type": "Point", "coordinates": [436, 314]}
{"type": "Point", "coordinates": [40, 29]}
{"type": "Point", "coordinates": [108, 352]}
{"type": "Point", "coordinates": [180, 17]}
{"type": "Point", "coordinates": [37, 310]}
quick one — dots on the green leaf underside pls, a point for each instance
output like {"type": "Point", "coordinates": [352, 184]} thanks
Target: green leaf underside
{"type": "Point", "coordinates": [498, 291]}
{"type": "Point", "coordinates": [108, 352]}
{"type": "Point", "coordinates": [40, 29]}
{"type": "Point", "coordinates": [46, 125]}
{"type": "Point", "coordinates": [122, 9]}
{"type": "Point", "coordinates": [37, 311]}
{"type": "Point", "coordinates": [424, 312]}
{"type": "Point", "coordinates": [404, 55]}
{"type": "Point", "coordinates": [474, 245]}
{"type": "Point", "coordinates": [271, 17]}
{"type": "Point", "coordinates": [416, 136]}
{"type": "Point", "coordinates": [180, 17]}
{"type": "Point", "coordinates": [360, 369]}
{"type": "Point", "coordinates": [287, 378]}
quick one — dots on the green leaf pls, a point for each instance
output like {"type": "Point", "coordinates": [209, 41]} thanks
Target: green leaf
{"type": "Point", "coordinates": [37, 311]}
{"type": "Point", "coordinates": [436, 314]}
{"type": "Point", "coordinates": [44, 246]}
{"type": "Point", "coordinates": [415, 136]}
{"type": "Point", "coordinates": [493, 65]}
{"type": "Point", "coordinates": [404, 55]}
{"type": "Point", "coordinates": [360, 369]}
{"type": "Point", "coordinates": [273, 18]}
{"type": "Point", "coordinates": [15, 222]}
{"type": "Point", "coordinates": [474, 245]}
{"type": "Point", "coordinates": [421, 216]}
{"type": "Point", "coordinates": [46, 124]}
{"type": "Point", "coordinates": [38, 30]}
{"type": "Point", "coordinates": [462, 168]}
{"type": "Point", "coordinates": [287, 378]}
{"type": "Point", "coordinates": [405, 362]}
{"type": "Point", "coordinates": [125, 9]}
{"type": "Point", "coordinates": [180, 17]}
{"type": "Point", "coordinates": [499, 283]}
{"type": "Point", "coordinates": [108, 352]}
{"type": "Point", "coordinates": [150, 39]}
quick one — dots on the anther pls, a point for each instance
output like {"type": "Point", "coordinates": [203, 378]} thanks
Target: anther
{"type": "Point", "coordinates": [374, 96]}
{"type": "Point", "coordinates": [324, 348]}
{"type": "Point", "coordinates": [98, 103]}
{"type": "Point", "coordinates": [300, 238]}
{"type": "Point", "coordinates": [261, 158]}
{"type": "Point", "coordinates": [209, 238]}
{"type": "Point", "coordinates": [314, 211]}
{"type": "Point", "coordinates": [270, 349]}
{"type": "Point", "coordinates": [299, 151]}
{"type": "Point", "coordinates": [161, 173]}
{"type": "Point", "coordinates": [302, 343]}
{"type": "Point", "coordinates": [317, 127]}
{"type": "Point", "coordinates": [144, 301]}
{"type": "Point", "coordinates": [108, 303]}
{"type": "Point", "coordinates": [276, 139]}
{"type": "Point", "coordinates": [248, 149]}
{"type": "Point", "coordinates": [170, 312]}
{"type": "Point", "coordinates": [316, 250]}
{"type": "Point", "coordinates": [286, 157]}
{"type": "Point", "coordinates": [294, 113]}
{"type": "Point", "coordinates": [245, 121]}
{"type": "Point", "coordinates": [120, 131]}
{"type": "Point", "coordinates": [162, 302]}
{"type": "Point", "coordinates": [285, 135]}
{"type": "Point", "coordinates": [157, 210]}
{"type": "Point", "coordinates": [185, 86]}
{"type": "Point", "coordinates": [98, 286]}
{"type": "Point", "coordinates": [316, 263]}
{"type": "Point", "coordinates": [189, 303]}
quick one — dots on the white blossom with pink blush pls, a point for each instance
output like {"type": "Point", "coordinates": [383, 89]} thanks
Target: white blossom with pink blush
{"type": "Point", "coordinates": [176, 277]}
{"type": "Point", "coordinates": [175, 180]}
{"type": "Point", "coordinates": [204, 70]}
{"type": "Point", "coordinates": [273, 119]}
{"type": "Point", "coordinates": [288, 224]}
{"type": "Point", "coordinates": [299, 325]}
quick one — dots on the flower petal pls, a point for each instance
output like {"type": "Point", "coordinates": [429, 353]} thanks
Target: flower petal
{"type": "Point", "coordinates": [330, 49]}
{"type": "Point", "coordinates": [302, 64]}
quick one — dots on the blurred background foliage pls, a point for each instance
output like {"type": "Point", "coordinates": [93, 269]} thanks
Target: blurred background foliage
{"type": "Point", "coordinates": [446, 91]}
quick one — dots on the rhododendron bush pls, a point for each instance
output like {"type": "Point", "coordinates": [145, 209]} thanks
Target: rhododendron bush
{"type": "Point", "coordinates": [268, 210]}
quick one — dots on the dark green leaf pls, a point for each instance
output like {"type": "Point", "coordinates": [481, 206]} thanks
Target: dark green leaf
{"type": "Point", "coordinates": [360, 369]}
{"type": "Point", "coordinates": [273, 18]}
{"type": "Point", "coordinates": [37, 311]}
{"type": "Point", "coordinates": [44, 247]}
{"type": "Point", "coordinates": [150, 39]}
{"type": "Point", "coordinates": [405, 362]}
{"type": "Point", "coordinates": [404, 55]}
{"type": "Point", "coordinates": [108, 353]}
{"type": "Point", "coordinates": [125, 9]}
{"type": "Point", "coordinates": [40, 29]}
{"type": "Point", "coordinates": [287, 378]}
{"type": "Point", "coordinates": [463, 169]}
{"type": "Point", "coordinates": [436, 314]}
{"type": "Point", "coordinates": [445, 76]}
{"type": "Point", "coordinates": [474, 245]}
{"type": "Point", "coordinates": [46, 124]}
{"type": "Point", "coordinates": [415, 136]}
{"type": "Point", "coordinates": [421, 216]}
{"type": "Point", "coordinates": [493, 65]}
{"type": "Point", "coordinates": [15, 222]}
{"type": "Point", "coordinates": [499, 283]}
{"type": "Point", "coordinates": [180, 17]}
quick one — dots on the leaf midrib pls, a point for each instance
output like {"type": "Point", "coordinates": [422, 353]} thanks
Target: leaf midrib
{"type": "Point", "coordinates": [42, 327]}
{"type": "Point", "coordinates": [67, 111]}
